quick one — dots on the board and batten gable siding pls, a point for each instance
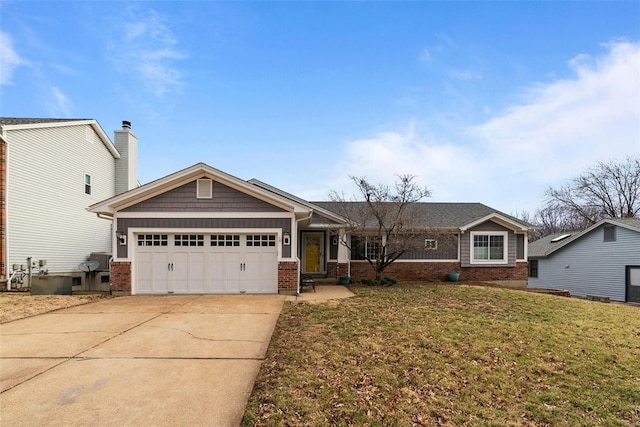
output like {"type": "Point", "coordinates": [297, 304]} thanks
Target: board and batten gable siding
{"type": "Point", "coordinates": [204, 223]}
{"type": "Point", "coordinates": [183, 199]}
{"type": "Point", "coordinates": [46, 201]}
{"type": "Point", "coordinates": [447, 249]}
{"type": "Point", "coordinates": [465, 245]}
{"type": "Point", "coordinates": [595, 267]}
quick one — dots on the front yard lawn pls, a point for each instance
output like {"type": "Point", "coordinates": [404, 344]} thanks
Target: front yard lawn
{"type": "Point", "coordinates": [18, 305]}
{"type": "Point", "coordinates": [442, 354]}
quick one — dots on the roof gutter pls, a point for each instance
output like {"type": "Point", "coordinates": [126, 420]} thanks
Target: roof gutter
{"type": "Point", "coordinates": [103, 216]}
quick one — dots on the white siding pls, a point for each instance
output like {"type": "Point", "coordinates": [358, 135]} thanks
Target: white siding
{"type": "Point", "coordinates": [594, 267]}
{"type": "Point", "coordinates": [47, 217]}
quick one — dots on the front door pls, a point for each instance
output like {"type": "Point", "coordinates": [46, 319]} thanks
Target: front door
{"type": "Point", "coordinates": [313, 252]}
{"type": "Point", "coordinates": [633, 283]}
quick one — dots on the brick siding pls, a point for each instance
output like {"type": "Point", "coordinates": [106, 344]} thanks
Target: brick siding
{"type": "Point", "coordinates": [288, 277]}
{"type": "Point", "coordinates": [437, 271]}
{"type": "Point", "coordinates": [336, 270]}
{"type": "Point", "coordinates": [120, 278]}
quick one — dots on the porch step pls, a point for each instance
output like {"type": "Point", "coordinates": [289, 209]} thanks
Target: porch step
{"type": "Point", "coordinates": [326, 281]}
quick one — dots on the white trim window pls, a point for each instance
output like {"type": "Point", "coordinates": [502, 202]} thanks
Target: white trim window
{"type": "Point", "coordinates": [430, 244]}
{"type": "Point", "coordinates": [364, 247]}
{"type": "Point", "coordinates": [489, 247]}
{"type": "Point", "coordinates": [87, 183]}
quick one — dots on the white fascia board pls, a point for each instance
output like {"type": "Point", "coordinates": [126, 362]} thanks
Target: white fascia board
{"type": "Point", "coordinates": [497, 218]}
{"type": "Point", "coordinates": [177, 179]}
{"type": "Point", "coordinates": [105, 139]}
{"type": "Point", "coordinates": [325, 226]}
{"type": "Point", "coordinates": [622, 224]}
{"type": "Point", "coordinates": [310, 206]}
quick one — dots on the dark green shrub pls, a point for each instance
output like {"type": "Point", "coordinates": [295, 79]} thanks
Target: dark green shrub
{"type": "Point", "coordinates": [388, 281]}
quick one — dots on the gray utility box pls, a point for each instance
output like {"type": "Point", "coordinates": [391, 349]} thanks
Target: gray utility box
{"type": "Point", "coordinates": [101, 257]}
{"type": "Point", "coordinates": [51, 285]}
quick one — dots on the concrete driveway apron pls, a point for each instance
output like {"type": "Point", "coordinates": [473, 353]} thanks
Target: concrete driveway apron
{"type": "Point", "coordinates": [140, 360]}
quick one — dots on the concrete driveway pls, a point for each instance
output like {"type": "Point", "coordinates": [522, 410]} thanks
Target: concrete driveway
{"type": "Point", "coordinates": [140, 360]}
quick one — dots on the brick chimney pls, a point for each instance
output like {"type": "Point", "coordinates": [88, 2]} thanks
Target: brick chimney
{"type": "Point", "coordinates": [127, 165]}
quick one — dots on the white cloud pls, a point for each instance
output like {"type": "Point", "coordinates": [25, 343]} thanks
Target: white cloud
{"type": "Point", "coordinates": [569, 124]}
{"type": "Point", "coordinates": [425, 56]}
{"type": "Point", "coordinates": [465, 75]}
{"type": "Point", "coordinates": [560, 129]}
{"type": "Point", "coordinates": [59, 104]}
{"type": "Point", "coordinates": [9, 59]}
{"type": "Point", "coordinates": [408, 151]}
{"type": "Point", "coordinates": [148, 47]}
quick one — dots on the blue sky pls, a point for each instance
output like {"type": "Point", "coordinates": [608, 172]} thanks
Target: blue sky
{"type": "Point", "coordinates": [488, 102]}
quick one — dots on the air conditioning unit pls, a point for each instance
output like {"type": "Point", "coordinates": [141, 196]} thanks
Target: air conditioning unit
{"type": "Point", "coordinates": [101, 257]}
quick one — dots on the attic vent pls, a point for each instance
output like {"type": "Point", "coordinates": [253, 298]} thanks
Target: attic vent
{"type": "Point", "coordinates": [204, 189]}
{"type": "Point", "coordinates": [88, 134]}
{"type": "Point", "coordinates": [609, 233]}
{"type": "Point", "coordinates": [557, 239]}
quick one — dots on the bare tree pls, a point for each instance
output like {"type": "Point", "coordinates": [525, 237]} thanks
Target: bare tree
{"type": "Point", "coordinates": [383, 220]}
{"type": "Point", "coordinates": [552, 220]}
{"type": "Point", "coordinates": [607, 190]}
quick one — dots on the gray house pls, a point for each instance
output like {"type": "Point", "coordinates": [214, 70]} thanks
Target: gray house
{"type": "Point", "coordinates": [603, 260]}
{"type": "Point", "coordinates": [201, 230]}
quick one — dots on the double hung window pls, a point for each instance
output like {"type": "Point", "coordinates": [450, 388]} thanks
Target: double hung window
{"type": "Point", "coordinates": [489, 247]}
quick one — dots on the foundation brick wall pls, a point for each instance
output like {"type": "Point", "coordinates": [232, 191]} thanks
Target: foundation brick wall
{"type": "Point", "coordinates": [288, 277]}
{"type": "Point", "coordinates": [335, 270]}
{"type": "Point", "coordinates": [120, 278]}
{"type": "Point", "coordinates": [437, 271]}
{"type": "Point", "coordinates": [332, 270]}
{"type": "Point", "coordinates": [342, 269]}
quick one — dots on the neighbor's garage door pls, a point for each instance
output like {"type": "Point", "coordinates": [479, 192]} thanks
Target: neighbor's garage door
{"type": "Point", "coordinates": [205, 263]}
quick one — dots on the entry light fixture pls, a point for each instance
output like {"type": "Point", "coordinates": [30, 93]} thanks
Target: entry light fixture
{"type": "Point", "coordinates": [122, 237]}
{"type": "Point", "coordinates": [286, 238]}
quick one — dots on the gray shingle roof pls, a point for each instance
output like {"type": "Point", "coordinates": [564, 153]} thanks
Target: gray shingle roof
{"type": "Point", "coordinates": [627, 222]}
{"type": "Point", "coordinates": [441, 215]}
{"type": "Point", "coordinates": [9, 121]}
{"type": "Point", "coordinates": [544, 246]}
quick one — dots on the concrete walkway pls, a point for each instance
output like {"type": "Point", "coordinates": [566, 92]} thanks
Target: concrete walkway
{"type": "Point", "coordinates": [322, 294]}
{"type": "Point", "coordinates": [166, 360]}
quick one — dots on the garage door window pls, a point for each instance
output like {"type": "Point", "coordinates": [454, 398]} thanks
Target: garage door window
{"type": "Point", "coordinates": [261, 240]}
{"type": "Point", "coordinates": [225, 240]}
{"type": "Point", "coordinates": [152, 240]}
{"type": "Point", "coordinates": [189, 240]}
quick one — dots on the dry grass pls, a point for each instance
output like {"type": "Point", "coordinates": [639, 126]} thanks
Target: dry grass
{"type": "Point", "coordinates": [436, 354]}
{"type": "Point", "coordinates": [14, 305]}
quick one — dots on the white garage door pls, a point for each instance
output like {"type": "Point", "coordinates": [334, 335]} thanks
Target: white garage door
{"type": "Point", "coordinates": [206, 263]}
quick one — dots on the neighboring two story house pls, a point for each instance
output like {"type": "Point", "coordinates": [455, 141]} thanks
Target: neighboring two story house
{"type": "Point", "coordinates": [51, 170]}
{"type": "Point", "coordinates": [201, 230]}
